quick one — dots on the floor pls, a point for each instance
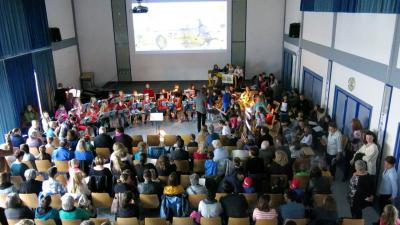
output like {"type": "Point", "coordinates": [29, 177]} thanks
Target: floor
{"type": "Point", "coordinates": [340, 189]}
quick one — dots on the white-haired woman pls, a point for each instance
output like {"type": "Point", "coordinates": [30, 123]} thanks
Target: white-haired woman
{"type": "Point", "coordinates": [30, 185]}
{"type": "Point", "coordinates": [219, 151]}
{"type": "Point", "coordinates": [77, 186]}
{"type": "Point", "coordinates": [195, 188]}
{"type": "Point", "coordinates": [361, 192]}
{"type": "Point", "coordinates": [70, 212]}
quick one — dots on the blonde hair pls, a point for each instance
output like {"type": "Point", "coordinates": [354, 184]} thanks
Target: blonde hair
{"type": "Point", "coordinates": [98, 161]}
{"type": "Point", "coordinates": [77, 179]}
{"type": "Point", "coordinates": [119, 149]}
{"type": "Point", "coordinates": [390, 215]}
{"type": "Point", "coordinates": [73, 163]}
{"type": "Point", "coordinates": [281, 158]}
{"type": "Point", "coordinates": [81, 146]}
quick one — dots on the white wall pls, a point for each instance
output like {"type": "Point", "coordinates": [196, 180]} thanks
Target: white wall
{"type": "Point", "coordinates": [66, 61]}
{"type": "Point", "coordinates": [366, 35]}
{"type": "Point", "coordinates": [96, 39]}
{"type": "Point", "coordinates": [66, 64]}
{"type": "Point", "coordinates": [264, 38]}
{"type": "Point", "coordinates": [393, 123]}
{"type": "Point", "coordinates": [175, 66]}
{"type": "Point", "coordinates": [317, 27]}
{"type": "Point", "coordinates": [367, 89]}
{"type": "Point", "coordinates": [59, 14]}
{"type": "Point", "coordinates": [293, 13]}
{"type": "Point", "coordinates": [318, 65]}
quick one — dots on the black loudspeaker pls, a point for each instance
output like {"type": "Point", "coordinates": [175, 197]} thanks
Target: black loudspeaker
{"type": "Point", "coordinates": [294, 30]}
{"type": "Point", "coordinates": [55, 34]}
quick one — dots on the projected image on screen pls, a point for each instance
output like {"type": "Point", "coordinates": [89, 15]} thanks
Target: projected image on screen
{"type": "Point", "coordinates": [181, 26]}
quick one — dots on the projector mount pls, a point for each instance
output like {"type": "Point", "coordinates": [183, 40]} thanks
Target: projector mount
{"type": "Point", "coordinates": [140, 8]}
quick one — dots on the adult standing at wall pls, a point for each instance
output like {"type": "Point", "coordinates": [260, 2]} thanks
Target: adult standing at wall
{"type": "Point", "coordinates": [200, 103]}
{"type": "Point", "coordinates": [333, 147]}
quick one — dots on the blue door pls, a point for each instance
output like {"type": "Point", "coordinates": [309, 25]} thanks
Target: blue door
{"type": "Point", "coordinates": [347, 107]}
{"type": "Point", "coordinates": [287, 69]}
{"type": "Point", "coordinates": [396, 152]}
{"type": "Point", "coordinates": [312, 86]}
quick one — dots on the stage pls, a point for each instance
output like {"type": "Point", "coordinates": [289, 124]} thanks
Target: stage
{"type": "Point", "coordinates": [129, 86]}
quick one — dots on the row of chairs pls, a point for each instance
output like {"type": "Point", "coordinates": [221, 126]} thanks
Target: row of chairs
{"type": "Point", "coordinates": [183, 221]}
{"type": "Point", "coordinates": [170, 140]}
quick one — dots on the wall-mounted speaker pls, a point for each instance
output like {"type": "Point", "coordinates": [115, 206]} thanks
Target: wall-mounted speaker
{"type": "Point", "coordinates": [294, 30]}
{"type": "Point", "coordinates": [55, 34]}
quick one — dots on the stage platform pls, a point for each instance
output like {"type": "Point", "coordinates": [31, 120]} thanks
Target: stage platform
{"type": "Point", "coordinates": [129, 86]}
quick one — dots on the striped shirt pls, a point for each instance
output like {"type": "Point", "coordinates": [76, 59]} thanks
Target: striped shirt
{"type": "Point", "coordinates": [261, 215]}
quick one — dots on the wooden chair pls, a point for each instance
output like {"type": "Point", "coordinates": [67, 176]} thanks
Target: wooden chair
{"type": "Point", "coordinates": [267, 222]}
{"type": "Point", "coordinates": [62, 166]}
{"type": "Point", "coordinates": [182, 166]}
{"type": "Point", "coordinates": [16, 180]}
{"type": "Point", "coordinates": [39, 178]}
{"type": "Point", "coordinates": [163, 179]}
{"type": "Point", "coordinates": [218, 196]}
{"type": "Point", "coordinates": [45, 222]}
{"type": "Point", "coordinates": [182, 221]}
{"type": "Point", "coordinates": [229, 149]}
{"type": "Point", "coordinates": [194, 200]}
{"type": "Point", "coordinates": [276, 200]}
{"type": "Point", "coordinates": [12, 222]}
{"type": "Point", "coordinates": [198, 166]}
{"type": "Point", "coordinates": [353, 221]}
{"type": "Point", "coordinates": [30, 200]}
{"type": "Point", "coordinates": [29, 164]}
{"type": "Point", "coordinates": [99, 221]}
{"type": "Point", "coordinates": [153, 140]}
{"type": "Point", "coordinates": [154, 221]}
{"type": "Point", "coordinates": [56, 201]}
{"type": "Point", "coordinates": [318, 199]}
{"type": "Point", "coordinates": [304, 180]}
{"type": "Point", "coordinates": [210, 221]}
{"type": "Point", "coordinates": [136, 162]}
{"type": "Point", "coordinates": [3, 198]}
{"type": "Point", "coordinates": [238, 221]}
{"type": "Point", "coordinates": [185, 181]}
{"type": "Point", "coordinates": [186, 138]}
{"type": "Point", "coordinates": [192, 150]}
{"type": "Point", "coordinates": [136, 139]}
{"type": "Point", "coordinates": [224, 140]}
{"type": "Point", "coordinates": [49, 150]}
{"type": "Point", "coordinates": [169, 140]}
{"type": "Point", "coordinates": [251, 199]}
{"type": "Point", "coordinates": [300, 221]}
{"type": "Point", "coordinates": [103, 152]}
{"type": "Point", "coordinates": [60, 178]}
{"type": "Point", "coordinates": [34, 151]}
{"type": "Point", "coordinates": [101, 200]}
{"type": "Point", "coordinates": [149, 201]}
{"type": "Point", "coordinates": [127, 221]}
{"type": "Point", "coordinates": [42, 165]}
{"type": "Point", "coordinates": [71, 222]}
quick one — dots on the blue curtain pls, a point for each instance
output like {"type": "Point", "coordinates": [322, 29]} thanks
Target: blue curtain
{"type": "Point", "coordinates": [46, 76]}
{"type": "Point", "coordinates": [8, 115]}
{"type": "Point", "coordinates": [21, 80]}
{"type": "Point", "coordinates": [351, 6]}
{"type": "Point", "coordinates": [36, 21]}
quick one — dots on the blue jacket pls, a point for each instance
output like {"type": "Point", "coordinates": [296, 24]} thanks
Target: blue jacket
{"type": "Point", "coordinates": [292, 210]}
{"type": "Point", "coordinates": [211, 167]}
{"type": "Point", "coordinates": [62, 154]}
{"type": "Point", "coordinates": [226, 99]}
{"type": "Point", "coordinates": [174, 206]}
{"type": "Point", "coordinates": [210, 138]}
{"type": "Point", "coordinates": [84, 156]}
{"type": "Point", "coordinates": [17, 140]}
